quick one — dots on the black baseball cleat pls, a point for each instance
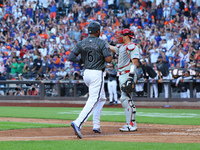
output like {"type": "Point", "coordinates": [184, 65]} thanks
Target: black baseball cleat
{"type": "Point", "coordinates": [98, 130]}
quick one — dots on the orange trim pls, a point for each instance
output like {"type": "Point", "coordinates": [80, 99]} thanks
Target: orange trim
{"type": "Point", "coordinates": [127, 71]}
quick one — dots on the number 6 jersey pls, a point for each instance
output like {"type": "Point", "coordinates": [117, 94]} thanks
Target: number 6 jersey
{"type": "Point", "coordinates": [93, 52]}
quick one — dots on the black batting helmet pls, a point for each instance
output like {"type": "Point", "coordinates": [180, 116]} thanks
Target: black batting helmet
{"type": "Point", "coordinates": [93, 27]}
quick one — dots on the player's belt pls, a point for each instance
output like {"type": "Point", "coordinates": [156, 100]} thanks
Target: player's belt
{"type": "Point", "coordinates": [124, 72]}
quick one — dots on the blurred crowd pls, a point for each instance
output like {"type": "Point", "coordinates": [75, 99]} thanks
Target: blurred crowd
{"type": "Point", "coordinates": [36, 36]}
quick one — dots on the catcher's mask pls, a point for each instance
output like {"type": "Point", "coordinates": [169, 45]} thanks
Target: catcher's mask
{"type": "Point", "coordinates": [128, 32]}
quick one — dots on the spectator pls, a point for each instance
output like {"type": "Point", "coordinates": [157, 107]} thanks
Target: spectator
{"type": "Point", "coordinates": [184, 57]}
{"type": "Point", "coordinates": [154, 53]}
{"type": "Point", "coordinates": [19, 91]}
{"type": "Point", "coordinates": [53, 10]}
{"type": "Point", "coordinates": [29, 66]}
{"type": "Point", "coordinates": [30, 28]}
{"type": "Point", "coordinates": [20, 66]}
{"type": "Point", "coordinates": [45, 65]}
{"type": "Point", "coordinates": [184, 87]}
{"type": "Point", "coordinates": [13, 67]}
{"type": "Point", "coordinates": [2, 67]}
{"type": "Point", "coordinates": [37, 64]}
{"type": "Point", "coordinates": [32, 91]}
{"type": "Point", "coordinates": [2, 77]}
{"type": "Point", "coordinates": [61, 73]}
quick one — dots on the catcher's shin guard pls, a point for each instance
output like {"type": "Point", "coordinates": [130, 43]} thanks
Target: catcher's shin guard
{"type": "Point", "coordinates": [133, 110]}
{"type": "Point", "coordinates": [130, 111]}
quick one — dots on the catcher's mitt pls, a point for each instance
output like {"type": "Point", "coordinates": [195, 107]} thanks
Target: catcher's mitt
{"type": "Point", "coordinates": [128, 86]}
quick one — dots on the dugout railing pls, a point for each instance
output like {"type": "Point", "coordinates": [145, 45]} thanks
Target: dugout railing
{"type": "Point", "coordinates": [56, 88]}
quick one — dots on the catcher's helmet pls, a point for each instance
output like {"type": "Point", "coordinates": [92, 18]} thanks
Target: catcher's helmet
{"type": "Point", "coordinates": [128, 32]}
{"type": "Point", "coordinates": [119, 37]}
{"type": "Point", "coordinates": [93, 27]}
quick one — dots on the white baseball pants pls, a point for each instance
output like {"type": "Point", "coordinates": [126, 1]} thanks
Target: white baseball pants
{"type": "Point", "coordinates": [185, 94]}
{"type": "Point", "coordinates": [166, 86]}
{"type": "Point", "coordinates": [94, 79]}
{"type": "Point", "coordinates": [112, 89]}
{"type": "Point", "coordinates": [154, 88]}
{"type": "Point", "coordinates": [197, 94]}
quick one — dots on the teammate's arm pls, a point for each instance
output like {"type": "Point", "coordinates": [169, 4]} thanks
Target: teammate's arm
{"type": "Point", "coordinates": [107, 53]}
{"type": "Point", "coordinates": [112, 49]}
{"type": "Point", "coordinates": [160, 76]}
{"type": "Point", "coordinates": [177, 81]}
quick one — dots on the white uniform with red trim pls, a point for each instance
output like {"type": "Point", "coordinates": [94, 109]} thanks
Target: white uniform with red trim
{"type": "Point", "coordinates": [126, 53]}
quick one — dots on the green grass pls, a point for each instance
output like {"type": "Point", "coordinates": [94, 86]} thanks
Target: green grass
{"type": "Point", "coordinates": [7, 125]}
{"type": "Point", "coordinates": [94, 145]}
{"type": "Point", "coordinates": [143, 115]}
{"type": "Point", "coordinates": [157, 116]}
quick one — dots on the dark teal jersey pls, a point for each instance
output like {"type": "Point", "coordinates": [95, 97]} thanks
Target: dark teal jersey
{"type": "Point", "coordinates": [93, 52]}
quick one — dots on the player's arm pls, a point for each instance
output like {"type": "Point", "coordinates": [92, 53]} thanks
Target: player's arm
{"type": "Point", "coordinates": [73, 57]}
{"type": "Point", "coordinates": [133, 69]}
{"type": "Point", "coordinates": [108, 59]}
{"type": "Point", "coordinates": [74, 53]}
{"type": "Point", "coordinates": [144, 72]}
{"type": "Point", "coordinates": [135, 56]}
{"type": "Point", "coordinates": [159, 74]}
{"type": "Point", "coordinates": [163, 55]}
{"type": "Point", "coordinates": [112, 49]}
{"type": "Point", "coordinates": [107, 53]}
{"type": "Point", "coordinates": [177, 81]}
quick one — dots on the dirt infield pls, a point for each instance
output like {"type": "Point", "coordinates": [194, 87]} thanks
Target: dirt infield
{"type": "Point", "coordinates": [110, 132]}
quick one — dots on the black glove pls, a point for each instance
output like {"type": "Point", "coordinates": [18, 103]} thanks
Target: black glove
{"type": "Point", "coordinates": [128, 86]}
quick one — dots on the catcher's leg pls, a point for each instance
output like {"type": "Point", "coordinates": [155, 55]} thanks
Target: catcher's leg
{"type": "Point", "coordinates": [130, 112]}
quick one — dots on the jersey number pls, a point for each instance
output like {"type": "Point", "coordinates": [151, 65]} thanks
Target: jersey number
{"type": "Point", "coordinates": [90, 57]}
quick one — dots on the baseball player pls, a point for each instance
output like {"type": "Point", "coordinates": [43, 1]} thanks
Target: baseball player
{"type": "Point", "coordinates": [94, 53]}
{"type": "Point", "coordinates": [112, 84]}
{"type": "Point", "coordinates": [163, 72]}
{"type": "Point", "coordinates": [184, 87]}
{"type": "Point", "coordinates": [127, 61]}
{"type": "Point", "coordinates": [147, 69]}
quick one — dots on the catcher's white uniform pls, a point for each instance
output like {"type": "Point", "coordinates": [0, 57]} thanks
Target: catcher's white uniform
{"type": "Point", "coordinates": [127, 52]}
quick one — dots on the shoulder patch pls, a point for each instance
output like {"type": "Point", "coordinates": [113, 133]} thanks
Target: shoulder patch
{"type": "Point", "coordinates": [131, 46]}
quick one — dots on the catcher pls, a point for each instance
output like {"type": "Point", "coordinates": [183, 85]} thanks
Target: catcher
{"type": "Point", "coordinates": [128, 58]}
